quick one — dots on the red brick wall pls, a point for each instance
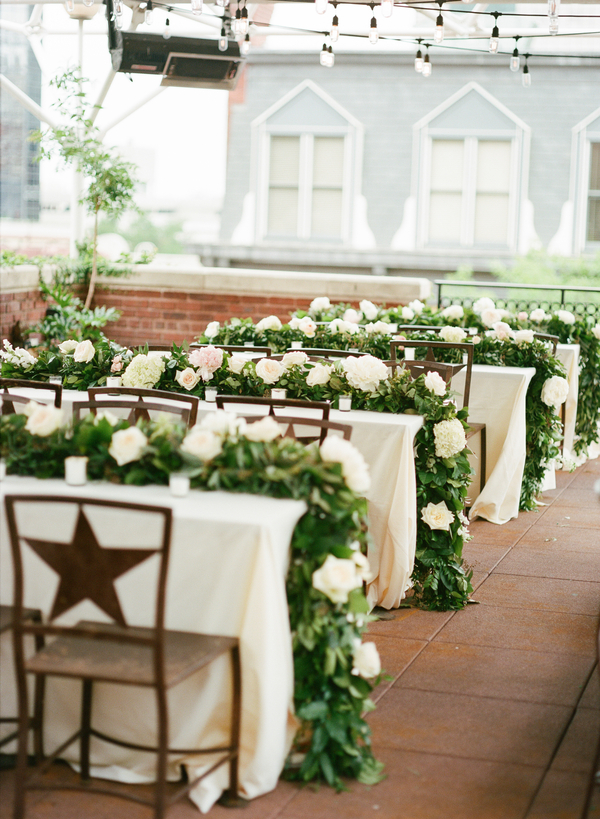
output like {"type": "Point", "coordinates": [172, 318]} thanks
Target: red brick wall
{"type": "Point", "coordinates": [27, 308]}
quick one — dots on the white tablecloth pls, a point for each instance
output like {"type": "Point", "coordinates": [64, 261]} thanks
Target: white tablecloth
{"type": "Point", "coordinates": [227, 576]}
{"type": "Point", "coordinates": [568, 355]}
{"type": "Point", "coordinates": [498, 399]}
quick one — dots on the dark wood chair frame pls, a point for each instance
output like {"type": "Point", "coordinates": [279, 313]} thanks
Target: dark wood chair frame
{"type": "Point", "coordinates": [139, 410]}
{"type": "Point", "coordinates": [272, 403]}
{"type": "Point", "coordinates": [234, 348]}
{"type": "Point", "coordinates": [115, 644]}
{"type": "Point", "coordinates": [154, 395]}
{"type": "Point", "coordinates": [549, 339]}
{"type": "Point", "coordinates": [323, 425]}
{"type": "Point", "coordinates": [21, 383]}
{"type": "Point", "coordinates": [324, 352]}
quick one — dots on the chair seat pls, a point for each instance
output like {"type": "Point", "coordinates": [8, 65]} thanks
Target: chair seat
{"type": "Point", "coordinates": [7, 616]}
{"type": "Point", "coordinates": [110, 661]}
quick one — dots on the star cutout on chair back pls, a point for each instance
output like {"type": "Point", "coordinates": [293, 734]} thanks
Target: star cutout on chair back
{"type": "Point", "coordinates": [87, 571]}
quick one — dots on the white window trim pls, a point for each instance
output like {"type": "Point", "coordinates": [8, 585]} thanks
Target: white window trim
{"type": "Point", "coordinates": [580, 181]}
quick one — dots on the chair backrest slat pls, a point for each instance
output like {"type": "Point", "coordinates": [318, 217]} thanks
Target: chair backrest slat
{"type": "Point", "coordinates": [7, 384]}
{"type": "Point", "coordinates": [140, 410]}
{"type": "Point", "coordinates": [192, 401]}
{"type": "Point", "coordinates": [431, 346]}
{"type": "Point", "coordinates": [272, 403]}
{"type": "Point", "coordinates": [235, 348]}
{"type": "Point", "coordinates": [324, 426]}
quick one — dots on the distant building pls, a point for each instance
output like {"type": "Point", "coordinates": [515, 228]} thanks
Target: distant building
{"type": "Point", "coordinates": [371, 167]}
{"type": "Point", "coordinates": [19, 172]}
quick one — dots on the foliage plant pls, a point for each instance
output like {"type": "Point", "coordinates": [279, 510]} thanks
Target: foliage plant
{"type": "Point", "coordinates": [331, 697]}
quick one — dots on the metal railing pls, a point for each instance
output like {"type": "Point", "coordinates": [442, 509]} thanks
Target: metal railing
{"type": "Point", "coordinates": [586, 307]}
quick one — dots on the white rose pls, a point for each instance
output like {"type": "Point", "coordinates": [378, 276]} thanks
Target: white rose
{"type": "Point", "coordinates": [483, 304]}
{"type": "Point", "coordinates": [212, 329]}
{"type": "Point", "coordinates": [352, 316]}
{"type": "Point", "coordinates": [537, 315]}
{"type": "Point", "coordinates": [106, 415]}
{"type": "Point", "coordinates": [269, 371]}
{"type": "Point", "coordinates": [437, 516]}
{"type": "Point", "coordinates": [187, 378]}
{"type": "Point", "coordinates": [68, 346]}
{"type": "Point", "coordinates": [237, 362]}
{"type": "Point", "coordinates": [503, 331]}
{"type": "Point", "coordinates": [378, 327]}
{"type": "Point", "coordinates": [524, 336]}
{"type": "Point", "coordinates": [18, 356]}
{"type": "Point", "coordinates": [294, 323]}
{"type": "Point", "coordinates": [596, 331]}
{"type": "Point", "coordinates": [491, 316]}
{"type": "Point", "coordinates": [296, 358]}
{"type": "Point", "coordinates": [362, 565]}
{"type": "Point", "coordinates": [565, 316]}
{"type": "Point", "coordinates": [336, 578]}
{"type": "Point", "coordinates": [223, 423]}
{"type": "Point", "coordinates": [454, 311]}
{"type": "Point", "coordinates": [267, 429]}
{"type": "Point", "coordinates": [43, 420]}
{"type": "Point", "coordinates": [453, 334]}
{"type": "Point", "coordinates": [522, 316]}
{"type": "Point", "coordinates": [416, 306]}
{"type": "Point", "coordinates": [268, 323]}
{"type": "Point", "coordinates": [202, 443]}
{"type": "Point", "coordinates": [476, 339]}
{"type": "Point", "coordinates": [435, 383]}
{"type": "Point", "coordinates": [318, 375]}
{"type": "Point", "coordinates": [307, 326]}
{"type": "Point", "coordinates": [354, 467]}
{"type": "Point", "coordinates": [341, 326]}
{"type": "Point", "coordinates": [369, 310]}
{"type": "Point", "coordinates": [319, 305]}
{"type": "Point", "coordinates": [366, 662]}
{"type": "Point", "coordinates": [407, 314]}
{"type": "Point", "coordinates": [555, 391]}
{"type": "Point", "coordinates": [365, 372]}
{"type": "Point", "coordinates": [84, 351]}
{"type": "Point", "coordinates": [449, 438]}
{"type": "Point", "coordinates": [127, 445]}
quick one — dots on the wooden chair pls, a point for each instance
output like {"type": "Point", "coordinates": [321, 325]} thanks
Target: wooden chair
{"type": "Point", "coordinates": [417, 368]}
{"type": "Point", "coordinates": [115, 652]}
{"type": "Point", "coordinates": [192, 401]}
{"type": "Point", "coordinates": [7, 620]}
{"type": "Point", "coordinates": [321, 408]}
{"type": "Point", "coordinates": [254, 352]}
{"type": "Point", "coordinates": [324, 352]}
{"type": "Point", "coordinates": [10, 399]}
{"type": "Point", "coordinates": [547, 338]}
{"type": "Point", "coordinates": [138, 410]}
{"type": "Point", "coordinates": [296, 426]}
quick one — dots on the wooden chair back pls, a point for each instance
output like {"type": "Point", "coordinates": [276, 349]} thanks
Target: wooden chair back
{"type": "Point", "coordinates": [191, 401]}
{"type": "Point", "coordinates": [139, 410]}
{"type": "Point", "coordinates": [435, 351]}
{"type": "Point", "coordinates": [9, 399]}
{"type": "Point", "coordinates": [547, 338]}
{"type": "Point", "coordinates": [297, 428]}
{"type": "Point", "coordinates": [321, 408]}
{"type": "Point", "coordinates": [253, 352]}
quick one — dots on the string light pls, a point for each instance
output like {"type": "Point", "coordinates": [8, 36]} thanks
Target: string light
{"type": "Point", "coordinates": [515, 60]}
{"type": "Point", "coordinates": [327, 57]}
{"type": "Point", "coordinates": [223, 3]}
{"type": "Point", "coordinates": [419, 59]}
{"type": "Point", "coordinates": [148, 13]}
{"type": "Point", "coordinates": [331, 56]}
{"type": "Point", "coordinates": [438, 34]}
{"type": "Point", "coordinates": [88, 3]}
{"type": "Point", "coordinates": [118, 8]}
{"type": "Point", "coordinates": [373, 33]}
{"type": "Point", "coordinates": [426, 72]}
{"type": "Point", "coordinates": [223, 39]}
{"type": "Point", "coordinates": [553, 7]}
{"type": "Point", "coordinates": [167, 31]}
{"type": "Point", "coordinates": [495, 38]}
{"type": "Point", "coordinates": [526, 76]}
{"type": "Point", "coordinates": [321, 6]}
{"type": "Point", "coordinates": [237, 23]}
{"type": "Point", "coordinates": [70, 5]}
{"type": "Point", "coordinates": [387, 7]}
{"type": "Point", "coordinates": [245, 24]}
{"type": "Point", "coordinates": [197, 7]}
{"type": "Point", "coordinates": [334, 34]}
{"type": "Point", "coordinates": [245, 46]}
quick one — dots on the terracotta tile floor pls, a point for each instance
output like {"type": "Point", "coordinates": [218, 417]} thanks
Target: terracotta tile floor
{"type": "Point", "coordinates": [491, 713]}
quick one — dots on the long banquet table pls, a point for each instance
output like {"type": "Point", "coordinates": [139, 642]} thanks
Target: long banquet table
{"type": "Point", "coordinates": [227, 575]}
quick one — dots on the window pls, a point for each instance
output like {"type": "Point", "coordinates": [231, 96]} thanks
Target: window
{"type": "Point", "coordinates": [585, 185]}
{"type": "Point", "coordinates": [593, 208]}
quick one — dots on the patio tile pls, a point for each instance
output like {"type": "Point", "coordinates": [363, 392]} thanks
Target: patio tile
{"type": "Point", "coordinates": [482, 557]}
{"type": "Point", "coordinates": [578, 748]}
{"type": "Point", "coordinates": [551, 538]}
{"type": "Point", "coordinates": [426, 786]}
{"type": "Point", "coordinates": [396, 655]}
{"type": "Point", "coordinates": [481, 671]}
{"type": "Point", "coordinates": [551, 563]}
{"type": "Point", "coordinates": [575, 497]}
{"type": "Point", "coordinates": [506, 535]}
{"type": "Point", "coordinates": [591, 695]}
{"type": "Point", "coordinates": [413, 624]}
{"type": "Point", "coordinates": [560, 797]}
{"type": "Point", "coordinates": [553, 632]}
{"type": "Point", "coordinates": [546, 594]}
{"type": "Point", "coordinates": [575, 518]}
{"type": "Point", "coordinates": [497, 730]}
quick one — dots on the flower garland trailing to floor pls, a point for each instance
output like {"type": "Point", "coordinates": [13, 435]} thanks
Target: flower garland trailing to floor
{"type": "Point", "coordinates": [443, 472]}
{"type": "Point", "coordinates": [335, 671]}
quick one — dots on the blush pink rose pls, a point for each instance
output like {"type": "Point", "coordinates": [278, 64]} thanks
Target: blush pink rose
{"type": "Point", "coordinates": [206, 360]}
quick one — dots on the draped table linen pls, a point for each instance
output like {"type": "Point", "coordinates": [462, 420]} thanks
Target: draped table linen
{"type": "Point", "coordinates": [227, 573]}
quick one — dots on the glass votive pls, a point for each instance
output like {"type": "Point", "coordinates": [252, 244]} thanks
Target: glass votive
{"type": "Point", "coordinates": [210, 394]}
{"type": "Point", "coordinates": [76, 470]}
{"type": "Point", "coordinates": [55, 379]}
{"type": "Point", "coordinates": [2, 469]}
{"type": "Point", "coordinates": [465, 359]}
{"type": "Point", "coordinates": [409, 353]}
{"type": "Point", "coordinates": [179, 484]}
{"type": "Point", "coordinates": [248, 344]}
{"type": "Point", "coordinates": [345, 403]}
{"type": "Point", "coordinates": [393, 328]}
{"type": "Point", "coordinates": [113, 381]}
{"type": "Point", "coordinates": [296, 345]}
{"type": "Point", "coordinates": [278, 392]}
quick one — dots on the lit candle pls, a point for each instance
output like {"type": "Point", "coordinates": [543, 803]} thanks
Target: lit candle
{"type": "Point", "coordinates": [345, 403]}
{"type": "Point", "coordinates": [296, 345]}
{"type": "Point", "coordinates": [55, 379]}
{"type": "Point", "coordinates": [278, 392]}
{"type": "Point", "coordinates": [76, 470]}
{"type": "Point", "coordinates": [210, 394]}
{"type": "Point", "coordinates": [409, 353]}
{"type": "Point", "coordinates": [113, 381]}
{"type": "Point", "coordinates": [2, 469]}
{"type": "Point", "coordinates": [179, 484]}
{"type": "Point", "coordinates": [248, 344]}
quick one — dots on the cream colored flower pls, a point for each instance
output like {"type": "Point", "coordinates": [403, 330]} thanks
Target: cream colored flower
{"type": "Point", "coordinates": [491, 316]}
{"type": "Point", "coordinates": [143, 371]}
{"type": "Point", "coordinates": [484, 303]}
{"type": "Point", "coordinates": [127, 445]}
{"type": "Point", "coordinates": [319, 305]}
{"type": "Point", "coordinates": [106, 415]}
{"type": "Point", "coordinates": [365, 372]}
{"type": "Point", "coordinates": [294, 323]}
{"type": "Point", "coordinates": [416, 306]}
{"type": "Point", "coordinates": [368, 309]}
{"type": "Point", "coordinates": [237, 362]}
{"type": "Point", "coordinates": [437, 516]}
{"type": "Point", "coordinates": [555, 391]}
{"type": "Point", "coordinates": [378, 327]}
{"type": "Point", "coordinates": [435, 383]}
{"type": "Point", "coordinates": [449, 438]}
{"type": "Point", "coordinates": [354, 467]}
{"type": "Point", "coordinates": [454, 311]}
{"type": "Point", "coordinates": [68, 346]}
{"type": "Point", "coordinates": [18, 356]}
{"type": "Point", "coordinates": [565, 316]}
{"type": "Point", "coordinates": [522, 315]}
{"type": "Point", "coordinates": [212, 330]}
{"type": "Point", "coordinates": [538, 315]}
{"type": "Point", "coordinates": [318, 375]}
{"type": "Point", "coordinates": [366, 661]}
{"type": "Point", "coordinates": [453, 334]}
{"type": "Point", "coordinates": [43, 420]}
{"type": "Point", "coordinates": [352, 316]}
{"type": "Point", "coordinates": [502, 331]}
{"type": "Point", "coordinates": [596, 331]}
{"type": "Point", "coordinates": [307, 326]}
{"type": "Point", "coordinates": [84, 351]}
{"type": "Point", "coordinates": [362, 566]}
{"type": "Point", "coordinates": [202, 443]}
{"type": "Point", "coordinates": [268, 323]}
{"type": "Point", "coordinates": [187, 378]}
{"type": "Point", "coordinates": [524, 336]}
{"type": "Point", "coordinates": [341, 326]}
{"type": "Point", "coordinates": [336, 578]}
{"type": "Point", "coordinates": [269, 371]}
{"type": "Point", "coordinates": [294, 359]}
{"type": "Point", "coordinates": [267, 429]}
{"type": "Point", "coordinates": [223, 423]}
{"type": "Point", "coordinates": [407, 313]}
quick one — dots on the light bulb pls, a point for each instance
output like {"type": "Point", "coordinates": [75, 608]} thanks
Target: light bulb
{"type": "Point", "coordinates": [494, 40]}
{"type": "Point", "coordinates": [88, 3]}
{"type": "Point", "coordinates": [237, 23]}
{"type": "Point", "coordinates": [117, 21]}
{"type": "Point", "coordinates": [387, 7]}
{"type": "Point", "coordinates": [373, 33]}
{"type": "Point", "coordinates": [197, 7]}
{"type": "Point", "coordinates": [324, 56]}
{"type": "Point", "coordinates": [526, 78]}
{"type": "Point", "coordinates": [321, 6]}
{"type": "Point", "coordinates": [553, 25]}
{"type": "Point", "coordinates": [335, 29]}
{"type": "Point", "coordinates": [426, 67]}
{"type": "Point", "coordinates": [167, 31]}
{"type": "Point", "coordinates": [223, 40]}
{"type": "Point", "coordinates": [331, 57]}
{"type": "Point", "coordinates": [245, 23]}
{"type": "Point", "coordinates": [515, 60]}
{"type": "Point", "coordinates": [148, 14]}
{"type": "Point", "coordinates": [223, 3]}
{"type": "Point", "coordinates": [553, 8]}
{"type": "Point", "coordinates": [419, 62]}
{"type": "Point", "coordinates": [70, 5]}
{"type": "Point", "coordinates": [438, 34]}
{"type": "Point", "coordinates": [245, 46]}
{"type": "Point", "coordinates": [118, 8]}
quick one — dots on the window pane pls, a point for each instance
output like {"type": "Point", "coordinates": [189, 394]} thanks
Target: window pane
{"type": "Point", "coordinates": [283, 211]}
{"type": "Point", "coordinates": [491, 219]}
{"type": "Point", "coordinates": [444, 217]}
{"type": "Point", "coordinates": [328, 162]}
{"type": "Point", "coordinates": [285, 160]}
{"type": "Point", "coordinates": [595, 166]}
{"type": "Point", "coordinates": [493, 166]}
{"type": "Point", "coordinates": [326, 217]}
{"type": "Point", "coordinates": [593, 220]}
{"type": "Point", "coordinates": [447, 165]}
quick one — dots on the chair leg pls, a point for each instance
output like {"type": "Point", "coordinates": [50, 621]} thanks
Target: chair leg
{"type": "Point", "coordinates": [86, 719]}
{"type": "Point", "coordinates": [230, 798]}
{"type": "Point", "coordinates": [37, 723]}
{"type": "Point", "coordinates": [482, 472]}
{"type": "Point", "coordinates": [21, 768]}
{"type": "Point", "coordinates": [160, 795]}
